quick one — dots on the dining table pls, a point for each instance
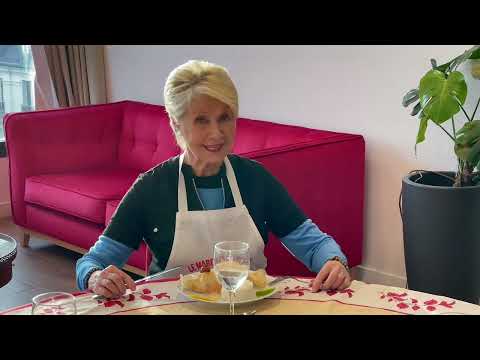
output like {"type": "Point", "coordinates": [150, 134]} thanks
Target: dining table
{"type": "Point", "coordinates": [293, 296]}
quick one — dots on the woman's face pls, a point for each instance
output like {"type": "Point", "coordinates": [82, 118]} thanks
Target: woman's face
{"type": "Point", "coordinates": [208, 128]}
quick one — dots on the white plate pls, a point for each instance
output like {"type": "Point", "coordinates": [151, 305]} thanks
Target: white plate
{"type": "Point", "coordinates": [259, 295]}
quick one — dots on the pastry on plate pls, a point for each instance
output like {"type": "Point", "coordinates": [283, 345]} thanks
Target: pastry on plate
{"type": "Point", "coordinates": [206, 282]}
{"type": "Point", "coordinates": [258, 278]}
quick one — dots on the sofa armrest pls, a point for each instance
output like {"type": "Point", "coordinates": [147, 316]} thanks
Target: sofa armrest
{"type": "Point", "coordinates": [56, 141]}
{"type": "Point", "coordinates": [326, 179]}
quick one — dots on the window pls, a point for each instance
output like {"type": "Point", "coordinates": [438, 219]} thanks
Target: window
{"type": "Point", "coordinates": [2, 102]}
{"type": "Point", "coordinates": [26, 95]}
{"type": "Point", "coordinates": [17, 75]}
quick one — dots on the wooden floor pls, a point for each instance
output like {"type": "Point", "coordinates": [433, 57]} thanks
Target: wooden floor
{"type": "Point", "coordinates": [42, 267]}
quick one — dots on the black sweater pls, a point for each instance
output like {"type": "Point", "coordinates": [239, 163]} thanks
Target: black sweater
{"type": "Point", "coordinates": [152, 202]}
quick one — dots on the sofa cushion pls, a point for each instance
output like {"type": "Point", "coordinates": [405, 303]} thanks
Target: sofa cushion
{"type": "Point", "coordinates": [77, 232]}
{"type": "Point", "coordinates": [146, 138]}
{"type": "Point", "coordinates": [83, 194]}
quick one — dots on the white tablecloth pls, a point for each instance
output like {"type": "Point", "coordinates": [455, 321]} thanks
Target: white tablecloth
{"type": "Point", "coordinates": [162, 297]}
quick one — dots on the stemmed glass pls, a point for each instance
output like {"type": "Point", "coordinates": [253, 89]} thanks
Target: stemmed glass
{"type": "Point", "coordinates": [54, 303]}
{"type": "Point", "coordinates": [231, 265]}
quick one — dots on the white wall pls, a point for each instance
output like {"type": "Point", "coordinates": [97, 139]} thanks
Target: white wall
{"type": "Point", "coordinates": [355, 89]}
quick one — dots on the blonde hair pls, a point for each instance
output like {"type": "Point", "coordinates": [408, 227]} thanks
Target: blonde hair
{"type": "Point", "coordinates": [193, 78]}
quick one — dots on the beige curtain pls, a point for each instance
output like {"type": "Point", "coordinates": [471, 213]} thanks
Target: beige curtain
{"type": "Point", "coordinates": [77, 73]}
{"type": "Point", "coordinates": [45, 97]}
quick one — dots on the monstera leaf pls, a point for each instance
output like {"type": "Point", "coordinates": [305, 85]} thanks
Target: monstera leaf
{"type": "Point", "coordinates": [422, 129]}
{"type": "Point", "coordinates": [440, 95]}
{"type": "Point", "coordinates": [469, 153]}
{"type": "Point", "coordinates": [462, 151]}
{"type": "Point", "coordinates": [474, 155]}
{"type": "Point", "coordinates": [472, 53]}
{"type": "Point", "coordinates": [476, 53]}
{"type": "Point", "coordinates": [410, 97]}
{"type": "Point", "coordinates": [469, 133]}
{"type": "Point", "coordinates": [467, 146]}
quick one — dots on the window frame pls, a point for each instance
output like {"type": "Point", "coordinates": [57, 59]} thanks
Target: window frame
{"type": "Point", "coordinates": [27, 95]}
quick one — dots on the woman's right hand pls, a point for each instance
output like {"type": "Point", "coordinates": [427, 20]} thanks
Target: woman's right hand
{"type": "Point", "coordinates": [110, 282]}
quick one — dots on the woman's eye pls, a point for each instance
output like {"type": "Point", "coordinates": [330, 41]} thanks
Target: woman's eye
{"type": "Point", "coordinates": [202, 120]}
{"type": "Point", "coordinates": [225, 118]}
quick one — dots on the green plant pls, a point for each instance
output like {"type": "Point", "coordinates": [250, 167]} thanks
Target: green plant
{"type": "Point", "coordinates": [440, 96]}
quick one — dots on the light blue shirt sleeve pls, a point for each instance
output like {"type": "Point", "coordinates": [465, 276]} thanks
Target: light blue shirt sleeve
{"type": "Point", "coordinates": [103, 253]}
{"type": "Point", "coordinates": [312, 246]}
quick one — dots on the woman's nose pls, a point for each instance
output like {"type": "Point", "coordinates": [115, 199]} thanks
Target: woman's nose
{"type": "Point", "coordinates": [215, 129]}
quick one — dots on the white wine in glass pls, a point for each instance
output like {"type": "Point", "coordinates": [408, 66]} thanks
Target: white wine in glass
{"type": "Point", "coordinates": [231, 265]}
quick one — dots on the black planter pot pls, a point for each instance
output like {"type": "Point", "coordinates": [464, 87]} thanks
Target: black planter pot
{"type": "Point", "coordinates": [441, 230]}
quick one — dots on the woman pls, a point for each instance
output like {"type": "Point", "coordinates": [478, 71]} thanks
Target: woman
{"type": "Point", "coordinates": [184, 205]}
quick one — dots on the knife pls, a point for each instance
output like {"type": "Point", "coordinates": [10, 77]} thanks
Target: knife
{"type": "Point", "coordinates": [158, 275]}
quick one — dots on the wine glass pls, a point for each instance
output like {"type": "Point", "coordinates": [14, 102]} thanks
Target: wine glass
{"type": "Point", "coordinates": [54, 303]}
{"type": "Point", "coordinates": [231, 265]}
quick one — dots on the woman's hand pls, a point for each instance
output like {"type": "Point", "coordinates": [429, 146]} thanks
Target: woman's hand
{"type": "Point", "coordinates": [332, 276]}
{"type": "Point", "coordinates": [110, 282]}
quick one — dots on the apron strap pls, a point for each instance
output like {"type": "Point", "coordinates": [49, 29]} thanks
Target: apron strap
{"type": "Point", "coordinates": [182, 191]}
{"type": "Point", "coordinates": [232, 181]}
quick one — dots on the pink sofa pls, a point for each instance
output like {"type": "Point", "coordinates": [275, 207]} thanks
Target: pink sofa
{"type": "Point", "coordinates": [69, 168]}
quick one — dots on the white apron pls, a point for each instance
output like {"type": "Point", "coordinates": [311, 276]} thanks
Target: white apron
{"type": "Point", "coordinates": [196, 232]}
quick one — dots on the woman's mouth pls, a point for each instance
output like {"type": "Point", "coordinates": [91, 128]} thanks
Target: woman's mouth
{"type": "Point", "coordinates": [213, 148]}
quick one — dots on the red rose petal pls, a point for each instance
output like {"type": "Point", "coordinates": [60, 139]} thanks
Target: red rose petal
{"type": "Point", "coordinates": [162, 295]}
{"type": "Point", "coordinates": [447, 305]}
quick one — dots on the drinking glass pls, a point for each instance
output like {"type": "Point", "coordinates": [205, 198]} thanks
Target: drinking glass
{"type": "Point", "coordinates": [231, 262]}
{"type": "Point", "coordinates": [54, 303]}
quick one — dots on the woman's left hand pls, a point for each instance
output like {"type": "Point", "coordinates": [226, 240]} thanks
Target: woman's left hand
{"type": "Point", "coordinates": [332, 276]}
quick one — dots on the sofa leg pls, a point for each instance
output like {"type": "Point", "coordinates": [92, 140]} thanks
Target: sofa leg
{"type": "Point", "coordinates": [26, 239]}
